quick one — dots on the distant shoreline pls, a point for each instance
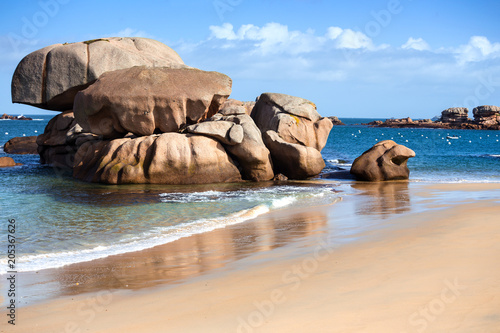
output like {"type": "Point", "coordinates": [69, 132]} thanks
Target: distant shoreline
{"type": "Point", "coordinates": [18, 117]}
{"type": "Point", "coordinates": [427, 123]}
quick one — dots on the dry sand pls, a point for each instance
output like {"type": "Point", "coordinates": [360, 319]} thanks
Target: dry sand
{"type": "Point", "coordinates": [429, 262]}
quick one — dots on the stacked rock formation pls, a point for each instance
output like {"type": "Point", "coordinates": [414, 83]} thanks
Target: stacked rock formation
{"type": "Point", "coordinates": [487, 115]}
{"type": "Point", "coordinates": [49, 78]}
{"type": "Point", "coordinates": [294, 132]}
{"type": "Point", "coordinates": [134, 113]}
{"type": "Point", "coordinates": [455, 115]}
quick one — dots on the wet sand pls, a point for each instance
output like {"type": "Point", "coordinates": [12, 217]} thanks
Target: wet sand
{"type": "Point", "coordinates": [395, 257]}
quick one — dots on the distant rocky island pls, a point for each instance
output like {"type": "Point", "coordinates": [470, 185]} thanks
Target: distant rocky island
{"type": "Point", "coordinates": [336, 121]}
{"type": "Point", "coordinates": [6, 116]}
{"type": "Point", "coordinates": [486, 117]}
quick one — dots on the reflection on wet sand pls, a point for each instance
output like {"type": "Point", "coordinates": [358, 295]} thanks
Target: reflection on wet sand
{"type": "Point", "coordinates": [383, 198]}
{"type": "Point", "coordinates": [186, 257]}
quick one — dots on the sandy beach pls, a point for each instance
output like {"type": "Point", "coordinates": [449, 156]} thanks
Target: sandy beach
{"type": "Point", "coordinates": [427, 260]}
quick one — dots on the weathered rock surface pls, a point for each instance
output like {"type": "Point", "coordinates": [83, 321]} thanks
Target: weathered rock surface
{"type": "Point", "coordinates": [21, 145]}
{"type": "Point", "coordinates": [487, 116]}
{"type": "Point", "coordinates": [169, 158]}
{"type": "Point", "coordinates": [384, 161]}
{"type": "Point", "coordinates": [280, 178]}
{"type": "Point", "coordinates": [233, 107]}
{"type": "Point", "coordinates": [145, 101]}
{"type": "Point", "coordinates": [252, 154]}
{"type": "Point", "coordinates": [455, 115]}
{"type": "Point", "coordinates": [485, 111]}
{"type": "Point", "coordinates": [6, 116]}
{"type": "Point", "coordinates": [226, 132]}
{"type": "Point", "coordinates": [59, 142]}
{"type": "Point", "coordinates": [7, 162]}
{"type": "Point", "coordinates": [50, 77]}
{"type": "Point", "coordinates": [293, 160]}
{"type": "Point", "coordinates": [294, 119]}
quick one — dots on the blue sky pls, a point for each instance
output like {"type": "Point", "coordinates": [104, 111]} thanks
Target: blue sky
{"type": "Point", "coordinates": [388, 58]}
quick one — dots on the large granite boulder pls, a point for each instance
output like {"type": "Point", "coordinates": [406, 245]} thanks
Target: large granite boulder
{"type": "Point", "coordinates": [293, 160]}
{"type": "Point", "coordinates": [455, 115]}
{"type": "Point", "coordinates": [294, 119]}
{"type": "Point", "coordinates": [21, 145]}
{"type": "Point", "coordinates": [169, 158]}
{"type": "Point", "coordinates": [286, 121]}
{"type": "Point", "coordinates": [50, 77]}
{"type": "Point", "coordinates": [150, 100]}
{"type": "Point", "coordinates": [7, 162]}
{"type": "Point", "coordinates": [384, 161]}
{"type": "Point", "coordinates": [250, 151]}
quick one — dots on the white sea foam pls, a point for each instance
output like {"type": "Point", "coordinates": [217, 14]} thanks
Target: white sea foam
{"type": "Point", "coordinates": [283, 202]}
{"type": "Point", "coordinates": [339, 162]}
{"type": "Point", "coordinates": [244, 194]}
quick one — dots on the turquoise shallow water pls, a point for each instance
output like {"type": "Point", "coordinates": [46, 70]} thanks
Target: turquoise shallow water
{"type": "Point", "coordinates": [62, 221]}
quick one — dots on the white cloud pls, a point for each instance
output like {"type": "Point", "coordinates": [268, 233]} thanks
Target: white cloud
{"type": "Point", "coordinates": [479, 48]}
{"type": "Point", "coordinates": [275, 38]}
{"type": "Point", "coordinates": [272, 38]}
{"type": "Point", "coordinates": [223, 32]}
{"type": "Point", "coordinates": [334, 32]}
{"type": "Point", "coordinates": [416, 44]}
{"type": "Point", "coordinates": [350, 39]}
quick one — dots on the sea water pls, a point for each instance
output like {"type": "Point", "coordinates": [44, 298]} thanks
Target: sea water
{"type": "Point", "coordinates": [473, 157]}
{"type": "Point", "coordinates": [60, 220]}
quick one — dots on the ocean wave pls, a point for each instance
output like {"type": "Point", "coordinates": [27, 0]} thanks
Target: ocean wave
{"type": "Point", "coordinates": [339, 162]}
{"type": "Point", "coordinates": [245, 194]}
